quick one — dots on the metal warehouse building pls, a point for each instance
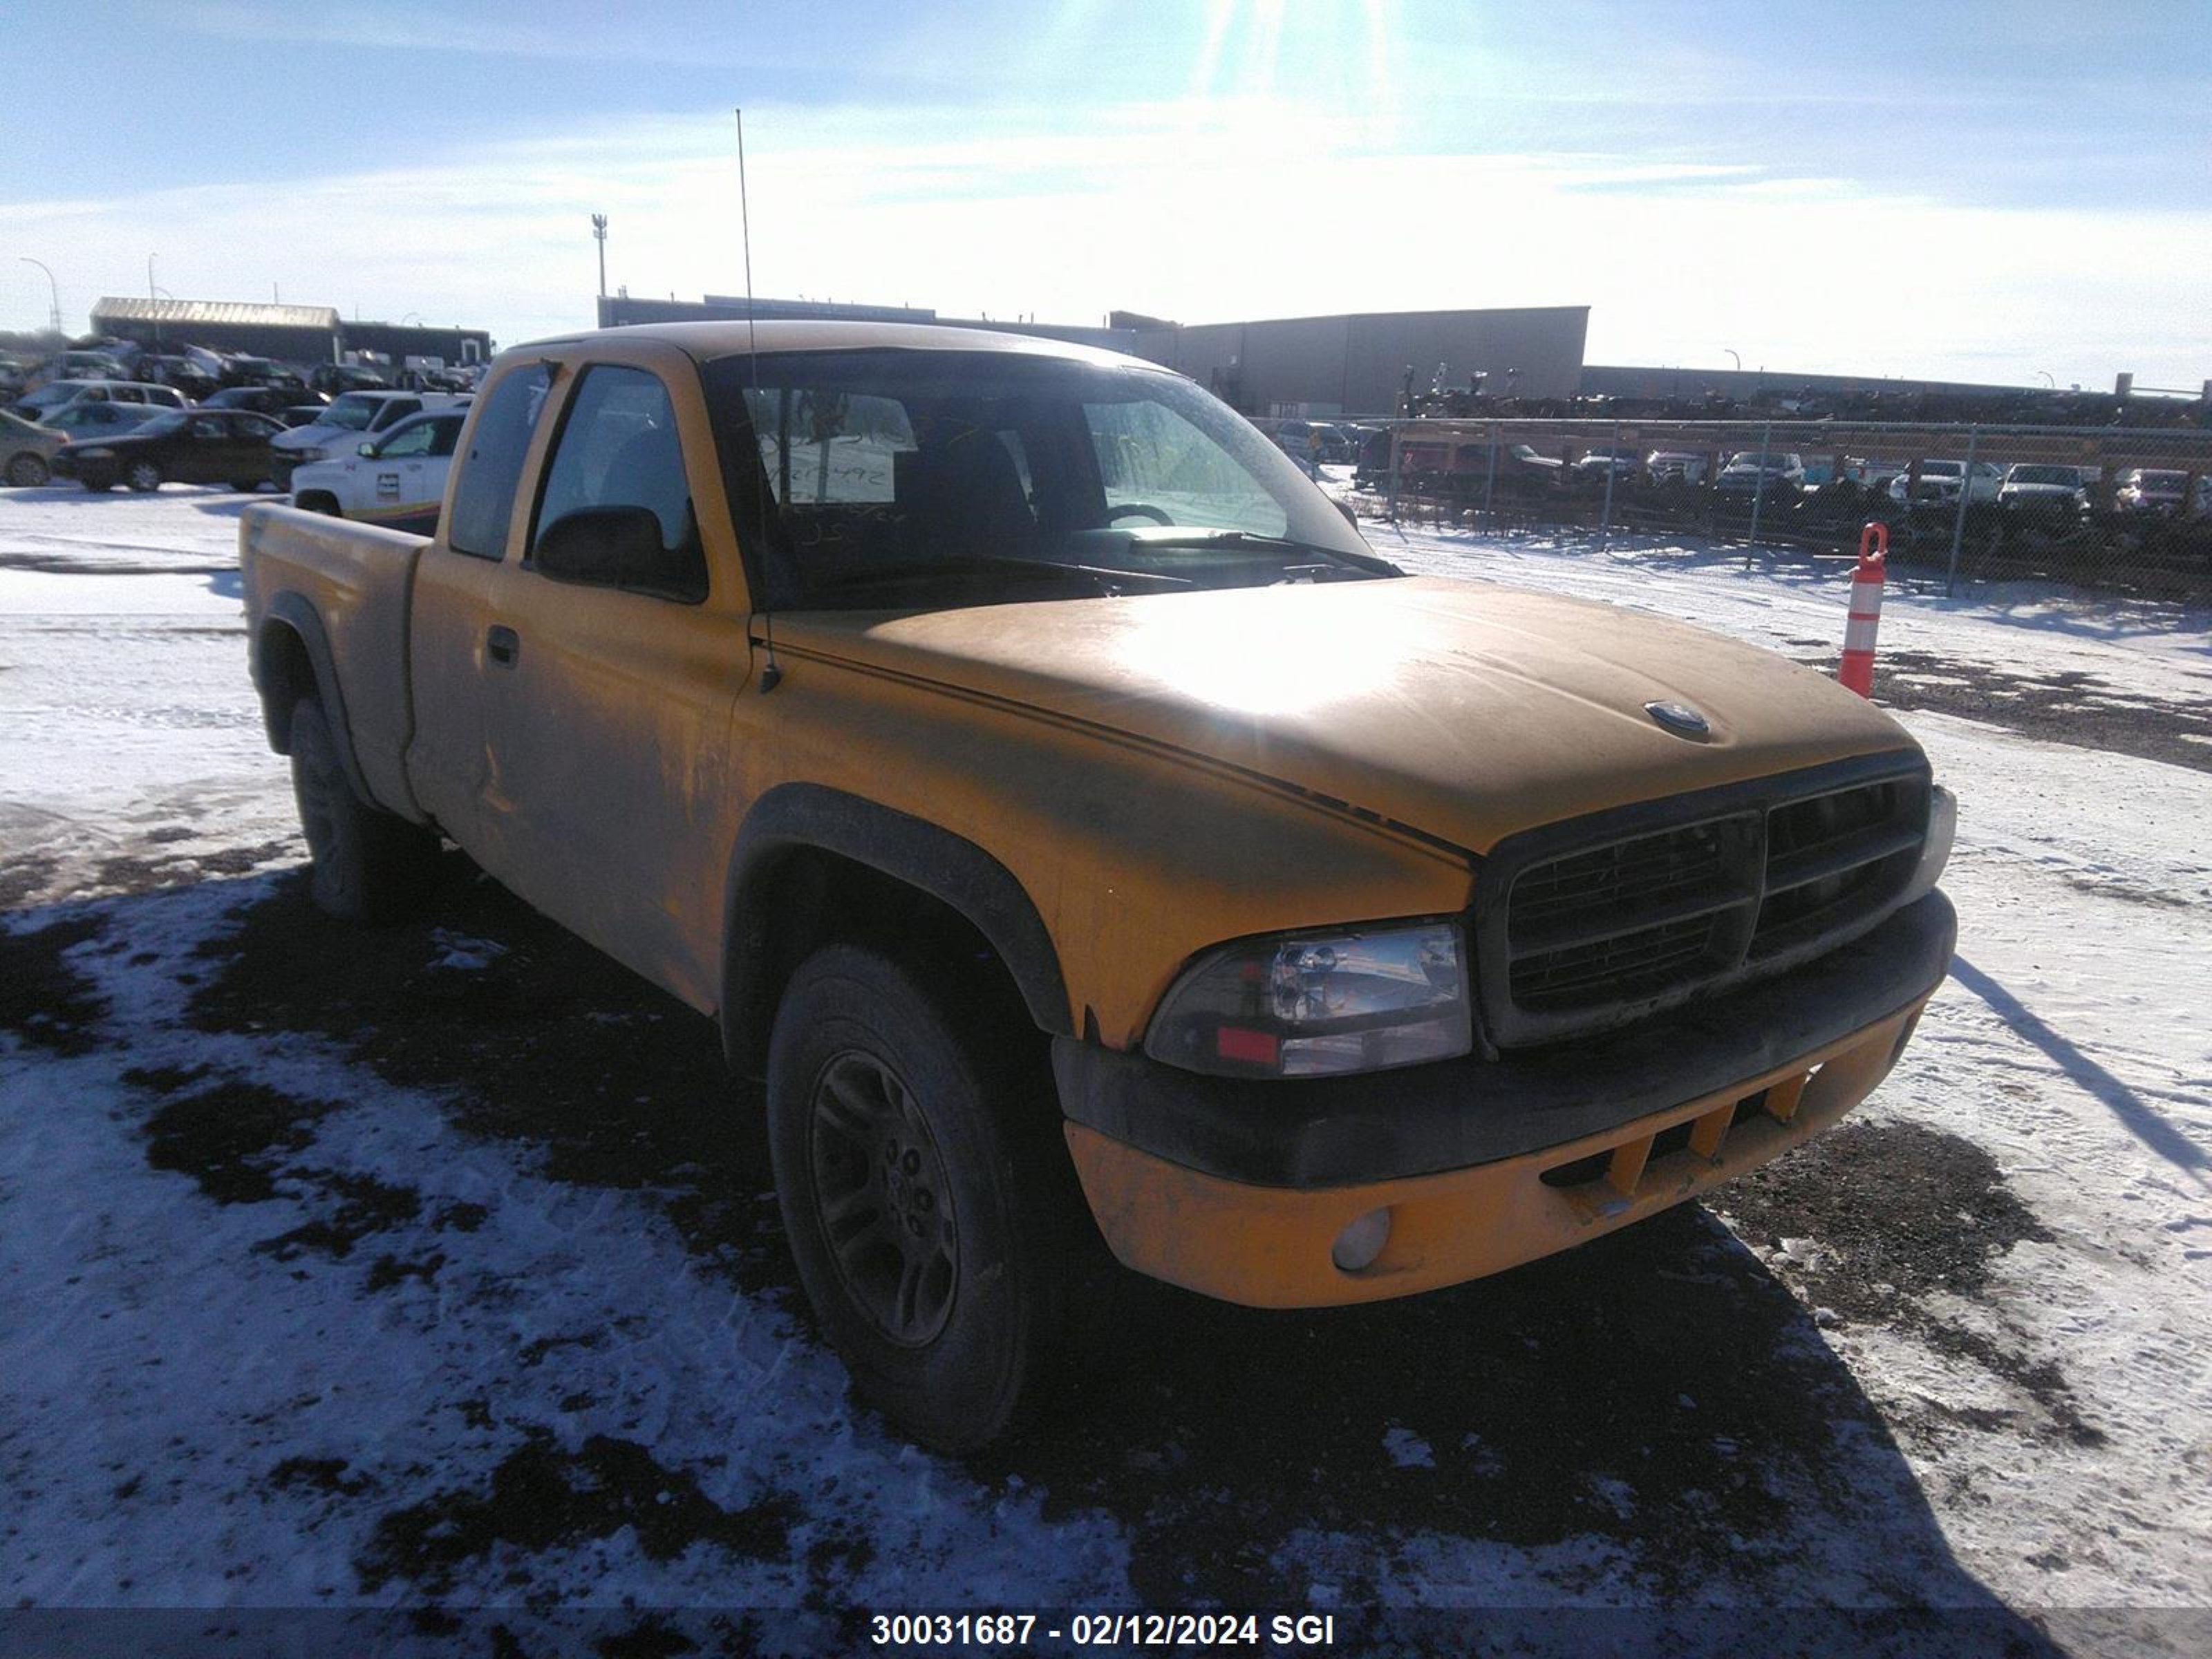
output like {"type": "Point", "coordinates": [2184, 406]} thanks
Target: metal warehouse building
{"type": "Point", "coordinates": [291, 334]}
{"type": "Point", "coordinates": [1354, 364]}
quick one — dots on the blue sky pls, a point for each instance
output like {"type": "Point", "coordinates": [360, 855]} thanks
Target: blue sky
{"type": "Point", "coordinates": [1998, 191]}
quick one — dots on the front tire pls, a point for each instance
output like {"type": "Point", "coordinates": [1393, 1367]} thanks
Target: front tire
{"type": "Point", "coordinates": [919, 1186]}
{"type": "Point", "coordinates": [368, 866]}
{"type": "Point", "coordinates": [143, 477]}
{"type": "Point", "coordinates": [27, 471]}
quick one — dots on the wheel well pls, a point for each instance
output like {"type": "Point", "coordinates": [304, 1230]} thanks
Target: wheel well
{"type": "Point", "coordinates": [317, 500]}
{"type": "Point", "coordinates": [287, 675]}
{"type": "Point", "coordinates": [801, 898]}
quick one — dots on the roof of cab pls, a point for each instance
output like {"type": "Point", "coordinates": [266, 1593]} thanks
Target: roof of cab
{"type": "Point", "coordinates": [705, 341]}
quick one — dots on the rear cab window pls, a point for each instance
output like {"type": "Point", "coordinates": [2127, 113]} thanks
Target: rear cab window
{"type": "Point", "coordinates": [483, 498]}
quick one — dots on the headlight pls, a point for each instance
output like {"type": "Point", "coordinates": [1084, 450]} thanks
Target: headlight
{"type": "Point", "coordinates": [1314, 1005]}
{"type": "Point", "coordinates": [301, 456]}
{"type": "Point", "coordinates": [1936, 850]}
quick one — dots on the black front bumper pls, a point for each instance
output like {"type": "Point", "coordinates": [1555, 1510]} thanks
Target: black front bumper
{"type": "Point", "coordinates": [1335, 1132]}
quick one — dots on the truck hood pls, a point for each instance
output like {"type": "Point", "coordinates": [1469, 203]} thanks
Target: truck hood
{"type": "Point", "coordinates": [1465, 711]}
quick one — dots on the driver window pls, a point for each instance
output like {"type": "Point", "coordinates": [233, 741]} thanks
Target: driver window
{"type": "Point", "coordinates": [414, 440]}
{"type": "Point", "coordinates": [208, 426]}
{"type": "Point", "coordinates": [618, 447]}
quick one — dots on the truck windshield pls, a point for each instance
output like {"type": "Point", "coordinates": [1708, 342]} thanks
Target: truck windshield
{"type": "Point", "coordinates": [349, 413]}
{"type": "Point", "coordinates": [896, 478]}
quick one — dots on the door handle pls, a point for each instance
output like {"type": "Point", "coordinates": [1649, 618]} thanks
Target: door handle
{"type": "Point", "coordinates": [503, 646]}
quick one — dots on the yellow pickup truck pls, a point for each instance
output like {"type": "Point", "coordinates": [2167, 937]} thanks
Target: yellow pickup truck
{"type": "Point", "coordinates": [1085, 834]}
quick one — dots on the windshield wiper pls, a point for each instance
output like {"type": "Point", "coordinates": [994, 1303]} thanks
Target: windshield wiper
{"type": "Point", "coordinates": [1289, 544]}
{"type": "Point", "coordinates": [1103, 578]}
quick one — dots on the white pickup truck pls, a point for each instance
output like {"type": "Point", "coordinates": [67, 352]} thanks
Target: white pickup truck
{"type": "Point", "coordinates": [396, 479]}
{"type": "Point", "coordinates": [349, 419]}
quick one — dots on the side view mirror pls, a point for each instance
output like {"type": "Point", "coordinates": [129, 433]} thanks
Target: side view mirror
{"type": "Point", "coordinates": [367, 451]}
{"type": "Point", "coordinates": [606, 546]}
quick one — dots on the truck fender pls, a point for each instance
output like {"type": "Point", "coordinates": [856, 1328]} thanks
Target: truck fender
{"type": "Point", "coordinates": [294, 611]}
{"type": "Point", "coordinates": [951, 869]}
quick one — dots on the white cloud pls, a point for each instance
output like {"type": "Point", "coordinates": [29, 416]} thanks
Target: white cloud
{"type": "Point", "coordinates": [1203, 209]}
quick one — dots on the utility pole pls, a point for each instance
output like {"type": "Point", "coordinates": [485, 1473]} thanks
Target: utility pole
{"type": "Point", "coordinates": [599, 235]}
{"type": "Point", "coordinates": [53, 317]}
{"type": "Point", "coordinates": [153, 302]}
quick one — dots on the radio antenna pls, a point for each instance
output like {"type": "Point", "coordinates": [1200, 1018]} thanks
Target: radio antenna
{"type": "Point", "coordinates": [771, 675]}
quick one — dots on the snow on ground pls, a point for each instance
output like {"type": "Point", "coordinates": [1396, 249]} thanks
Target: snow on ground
{"type": "Point", "coordinates": [360, 1271]}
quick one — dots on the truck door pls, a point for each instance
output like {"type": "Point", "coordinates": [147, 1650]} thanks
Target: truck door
{"type": "Point", "coordinates": [609, 727]}
{"type": "Point", "coordinates": [399, 492]}
{"type": "Point", "coordinates": [453, 616]}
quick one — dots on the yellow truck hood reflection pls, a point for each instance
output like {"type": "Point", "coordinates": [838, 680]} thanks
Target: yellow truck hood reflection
{"type": "Point", "coordinates": [1462, 710]}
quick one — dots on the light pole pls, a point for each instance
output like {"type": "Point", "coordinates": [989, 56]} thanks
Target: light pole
{"type": "Point", "coordinates": [153, 302]}
{"type": "Point", "coordinates": [2047, 380]}
{"type": "Point", "coordinates": [599, 235]}
{"type": "Point", "coordinates": [1738, 361]}
{"type": "Point", "coordinates": [54, 317]}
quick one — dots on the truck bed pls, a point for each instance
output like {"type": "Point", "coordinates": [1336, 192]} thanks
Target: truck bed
{"type": "Point", "coordinates": [345, 589]}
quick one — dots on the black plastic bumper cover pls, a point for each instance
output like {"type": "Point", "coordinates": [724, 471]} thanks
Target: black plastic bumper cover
{"type": "Point", "coordinates": [1335, 1132]}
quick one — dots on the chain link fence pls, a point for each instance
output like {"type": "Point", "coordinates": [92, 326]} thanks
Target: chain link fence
{"type": "Point", "coordinates": [2122, 510]}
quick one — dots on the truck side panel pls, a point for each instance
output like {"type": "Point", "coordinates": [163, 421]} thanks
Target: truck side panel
{"type": "Point", "coordinates": [342, 591]}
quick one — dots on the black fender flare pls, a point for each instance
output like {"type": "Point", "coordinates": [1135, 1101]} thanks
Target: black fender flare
{"type": "Point", "coordinates": [294, 610]}
{"type": "Point", "coordinates": [950, 868]}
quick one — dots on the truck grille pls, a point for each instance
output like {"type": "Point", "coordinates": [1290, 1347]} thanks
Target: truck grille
{"type": "Point", "coordinates": [1590, 924]}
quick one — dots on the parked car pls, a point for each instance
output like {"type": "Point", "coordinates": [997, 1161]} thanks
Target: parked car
{"type": "Point", "coordinates": [2033, 489]}
{"type": "Point", "coordinates": [1675, 466]}
{"type": "Point", "coordinates": [1939, 482]}
{"type": "Point", "coordinates": [1591, 469]}
{"type": "Point", "coordinates": [334, 380]}
{"type": "Point", "coordinates": [1468, 470]}
{"type": "Point", "coordinates": [262, 400]}
{"type": "Point", "coordinates": [396, 479]}
{"type": "Point", "coordinates": [242, 371]}
{"type": "Point", "coordinates": [1784, 473]}
{"type": "Point", "coordinates": [201, 446]}
{"type": "Point", "coordinates": [90, 365]}
{"type": "Point", "coordinates": [182, 373]}
{"type": "Point", "coordinates": [26, 450]}
{"type": "Point", "coordinates": [2155, 490]}
{"type": "Point", "coordinates": [59, 394]}
{"type": "Point", "coordinates": [84, 420]}
{"type": "Point", "coordinates": [351, 417]}
{"type": "Point", "coordinates": [297, 415]}
{"type": "Point", "coordinates": [1123, 853]}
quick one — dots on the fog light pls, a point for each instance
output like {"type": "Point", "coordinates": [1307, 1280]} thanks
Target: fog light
{"type": "Point", "coordinates": [1361, 1241]}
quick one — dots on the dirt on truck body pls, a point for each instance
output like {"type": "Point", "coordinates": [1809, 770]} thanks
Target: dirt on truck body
{"type": "Point", "coordinates": [1087, 836]}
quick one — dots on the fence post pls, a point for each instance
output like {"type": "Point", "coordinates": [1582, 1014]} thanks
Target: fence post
{"type": "Point", "coordinates": [1611, 458]}
{"type": "Point", "coordinates": [1391, 512]}
{"type": "Point", "coordinates": [1757, 492]}
{"type": "Point", "coordinates": [1959, 523]}
{"type": "Point", "coordinates": [1490, 483]}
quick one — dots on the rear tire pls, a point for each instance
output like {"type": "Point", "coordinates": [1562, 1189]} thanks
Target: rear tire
{"type": "Point", "coordinates": [923, 1185]}
{"type": "Point", "coordinates": [368, 866]}
{"type": "Point", "coordinates": [143, 477]}
{"type": "Point", "coordinates": [27, 471]}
